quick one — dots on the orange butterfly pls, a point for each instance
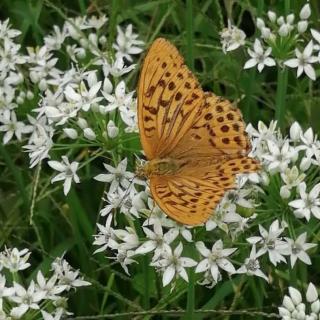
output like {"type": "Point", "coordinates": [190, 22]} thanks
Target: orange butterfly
{"type": "Point", "coordinates": [195, 141]}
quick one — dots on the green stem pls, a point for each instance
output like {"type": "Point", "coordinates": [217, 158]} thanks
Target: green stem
{"type": "Point", "coordinates": [189, 27]}
{"type": "Point", "coordinates": [282, 83]}
{"type": "Point", "coordinates": [190, 298]}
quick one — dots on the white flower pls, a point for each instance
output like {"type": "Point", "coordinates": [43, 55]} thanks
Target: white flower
{"type": "Point", "coordinates": [298, 249]}
{"type": "Point", "coordinates": [158, 242]}
{"type": "Point", "coordinates": [128, 237]}
{"type": "Point", "coordinates": [68, 172]}
{"type": "Point", "coordinates": [124, 257]}
{"type": "Point", "coordinates": [48, 316]}
{"type": "Point", "coordinates": [4, 291]}
{"type": "Point", "coordinates": [66, 275]}
{"type": "Point", "coordinates": [119, 99]}
{"type": "Point", "coordinates": [15, 260]}
{"type": "Point", "coordinates": [118, 176]}
{"type": "Point", "coordinates": [84, 98]}
{"type": "Point", "coordinates": [117, 68]}
{"type": "Point", "coordinates": [127, 43]}
{"type": "Point", "coordinates": [232, 38]}
{"type": "Point", "coordinates": [172, 264]}
{"type": "Point", "coordinates": [280, 156]}
{"type": "Point", "coordinates": [26, 299]}
{"type": "Point", "coordinates": [105, 235]}
{"type": "Point", "coordinates": [49, 287]}
{"type": "Point", "coordinates": [292, 178]}
{"type": "Point", "coordinates": [215, 259]}
{"type": "Point", "coordinates": [40, 143]}
{"type": "Point", "coordinates": [303, 61]}
{"type": "Point", "coordinates": [97, 22]}
{"type": "Point", "coordinates": [259, 57]}
{"type": "Point", "coordinates": [271, 243]}
{"type": "Point", "coordinates": [309, 202]}
{"type": "Point", "coordinates": [251, 265]}
{"type": "Point", "coordinates": [12, 127]}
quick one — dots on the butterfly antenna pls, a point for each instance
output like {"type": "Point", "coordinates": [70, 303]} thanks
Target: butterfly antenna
{"type": "Point", "coordinates": [127, 191]}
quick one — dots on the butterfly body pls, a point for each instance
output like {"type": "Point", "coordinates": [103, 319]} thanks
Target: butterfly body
{"type": "Point", "coordinates": [194, 141]}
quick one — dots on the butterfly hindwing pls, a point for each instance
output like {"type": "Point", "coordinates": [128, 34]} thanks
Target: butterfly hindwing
{"type": "Point", "coordinates": [191, 196]}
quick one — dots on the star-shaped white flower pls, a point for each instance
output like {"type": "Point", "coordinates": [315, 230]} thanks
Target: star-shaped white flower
{"type": "Point", "coordinates": [259, 57]}
{"type": "Point", "coordinates": [68, 172]}
{"type": "Point", "coordinates": [298, 249]}
{"type": "Point", "coordinates": [215, 259]}
{"type": "Point", "coordinates": [309, 203]}
{"type": "Point", "coordinates": [172, 264]}
{"type": "Point", "coordinates": [303, 61]}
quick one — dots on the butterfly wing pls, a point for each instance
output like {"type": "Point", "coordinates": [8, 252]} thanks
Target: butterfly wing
{"type": "Point", "coordinates": [191, 196]}
{"type": "Point", "coordinates": [217, 131]}
{"type": "Point", "coordinates": [169, 98]}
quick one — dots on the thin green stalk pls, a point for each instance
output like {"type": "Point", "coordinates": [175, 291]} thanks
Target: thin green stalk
{"type": "Point", "coordinates": [190, 299]}
{"type": "Point", "coordinates": [282, 83]}
{"type": "Point", "coordinates": [189, 27]}
{"type": "Point", "coordinates": [146, 275]}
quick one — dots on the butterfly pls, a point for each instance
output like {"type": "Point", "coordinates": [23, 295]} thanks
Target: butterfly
{"type": "Point", "coordinates": [194, 141]}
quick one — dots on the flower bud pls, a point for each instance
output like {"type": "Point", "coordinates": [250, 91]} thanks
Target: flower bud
{"type": "Point", "coordinates": [112, 129]}
{"type": "Point", "coordinates": [20, 100]}
{"type": "Point", "coordinates": [30, 95]}
{"type": "Point", "coordinates": [312, 294]}
{"type": "Point", "coordinates": [103, 109]}
{"type": "Point", "coordinates": [295, 296]}
{"type": "Point", "coordinates": [81, 53]}
{"type": "Point", "coordinates": [82, 123]}
{"type": "Point", "coordinates": [295, 131]}
{"type": "Point", "coordinates": [280, 21]}
{"type": "Point", "coordinates": [315, 306]}
{"type": "Point", "coordinates": [305, 163]}
{"type": "Point", "coordinates": [34, 76]}
{"type": "Point", "coordinates": [305, 12]}
{"type": "Point", "coordinates": [290, 18]}
{"type": "Point", "coordinates": [285, 192]}
{"type": "Point", "coordinates": [302, 26]}
{"type": "Point", "coordinates": [288, 304]}
{"type": "Point", "coordinates": [70, 133]}
{"type": "Point", "coordinates": [272, 16]}
{"type": "Point", "coordinates": [43, 85]}
{"type": "Point", "coordinates": [103, 40]}
{"type": "Point", "coordinates": [265, 179]}
{"type": "Point", "coordinates": [89, 134]}
{"type": "Point", "coordinates": [265, 33]}
{"type": "Point", "coordinates": [260, 23]}
{"type": "Point", "coordinates": [284, 30]}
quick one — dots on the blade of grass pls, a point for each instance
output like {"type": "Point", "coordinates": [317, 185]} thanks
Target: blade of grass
{"type": "Point", "coordinates": [189, 28]}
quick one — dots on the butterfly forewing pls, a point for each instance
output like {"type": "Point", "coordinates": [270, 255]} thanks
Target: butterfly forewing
{"type": "Point", "coordinates": [168, 100]}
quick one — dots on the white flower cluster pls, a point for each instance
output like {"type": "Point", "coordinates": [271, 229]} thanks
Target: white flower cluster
{"type": "Point", "coordinates": [293, 306]}
{"type": "Point", "coordinates": [292, 157]}
{"type": "Point", "coordinates": [280, 37]}
{"type": "Point", "coordinates": [44, 296]}
{"type": "Point", "coordinates": [79, 103]}
{"type": "Point", "coordinates": [287, 160]}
